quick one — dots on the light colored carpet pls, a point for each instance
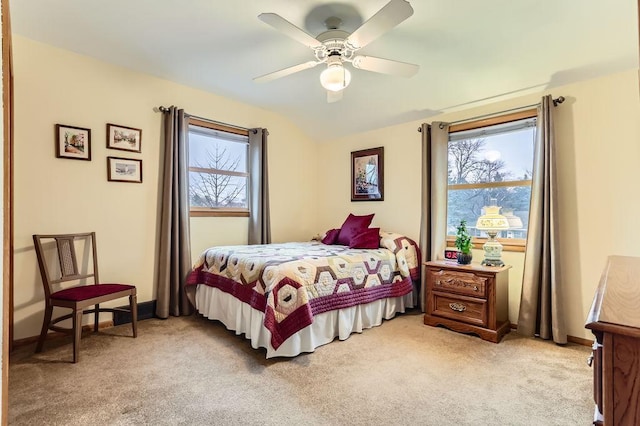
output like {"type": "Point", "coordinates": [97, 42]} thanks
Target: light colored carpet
{"type": "Point", "coordinates": [192, 371]}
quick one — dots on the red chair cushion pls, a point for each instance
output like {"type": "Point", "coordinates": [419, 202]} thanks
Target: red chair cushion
{"type": "Point", "coordinates": [89, 291]}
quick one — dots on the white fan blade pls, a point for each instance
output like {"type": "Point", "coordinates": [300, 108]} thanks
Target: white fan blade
{"type": "Point", "coordinates": [334, 96]}
{"type": "Point", "coordinates": [385, 66]}
{"type": "Point", "coordinates": [386, 18]}
{"type": "Point", "coordinates": [281, 24]}
{"type": "Point", "coordinates": [285, 72]}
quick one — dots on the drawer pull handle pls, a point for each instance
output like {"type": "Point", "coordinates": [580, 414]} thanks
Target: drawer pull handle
{"type": "Point", "coordinates": [458, 307]}
{"type": "Point", "coordinates": [457, 283]}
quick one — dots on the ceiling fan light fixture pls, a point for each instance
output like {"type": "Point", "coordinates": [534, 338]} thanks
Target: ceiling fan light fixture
{"type": "Point", "coordinates": [335, 77]}
{"type": "Point", "coordinates": [335, 47]}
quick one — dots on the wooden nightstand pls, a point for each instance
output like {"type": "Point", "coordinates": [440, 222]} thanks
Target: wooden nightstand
{"type": "Point", "coordinates": [468, 298]}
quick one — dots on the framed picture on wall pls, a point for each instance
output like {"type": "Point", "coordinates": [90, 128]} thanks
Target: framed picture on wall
{"type": "Point", "coordinates": [367, 175]}
{"type": "Point", "coordinates": [73, 142]}
{"type": "Point", "coordinates": [124, 138]}
{"type": "Point", "coordinates": [124, 170]}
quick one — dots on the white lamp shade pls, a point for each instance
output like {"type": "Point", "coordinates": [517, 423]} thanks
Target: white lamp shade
{"type": "Point", "coordinates": [492, 220]}
{"type": "Point", "coordinates": [335, 78]}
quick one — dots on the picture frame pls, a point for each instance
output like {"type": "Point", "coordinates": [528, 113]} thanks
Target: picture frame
{"type": "Point", "coordinates": [73, 142]}
{"type": "Point", "coordinates": [124, 170]}
{"type": "Point", "coordinates": [124, 138]}
{"type": "Point", "coordinates": [367, 175]}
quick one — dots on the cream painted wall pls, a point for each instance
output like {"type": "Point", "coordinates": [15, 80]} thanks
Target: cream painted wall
{"type": "Point", "coordinates": [203, 235]}
{"type": "Point", "coordinates": [59, 195]}
{"type": "Point", "coordinates": [597, 130]}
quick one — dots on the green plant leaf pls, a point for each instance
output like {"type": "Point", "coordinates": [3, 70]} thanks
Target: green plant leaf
{"type": "Point", "coordinates": [463, 239]}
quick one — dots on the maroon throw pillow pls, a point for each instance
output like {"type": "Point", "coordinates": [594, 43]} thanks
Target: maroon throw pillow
{"type": "Point", "coordinates": [331, 236]}
{"type": "Point", "coordinates": [352, 227]}
{"type": "Point", "coordinates": [367, 239]}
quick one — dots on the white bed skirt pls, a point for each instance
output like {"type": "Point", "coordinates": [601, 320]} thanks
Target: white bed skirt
{"type": "Point", "coordinates": [243, 319]}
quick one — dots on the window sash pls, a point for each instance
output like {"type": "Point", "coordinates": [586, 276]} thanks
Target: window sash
{"type": "Point", "coordinates": [223, 133]}
{"type": "Point", "coordinates": [218, 212]}
{"type": "Point", "coordinates": [480, 185]}
{"type": "Point", "coordinates": [477, 129]}
{"type": "Point", "coordinates": [508, 244]}
{"type": "Point", "coordinates": [218, 172]}
{"type": "Point", "coordinates": [220, 192]}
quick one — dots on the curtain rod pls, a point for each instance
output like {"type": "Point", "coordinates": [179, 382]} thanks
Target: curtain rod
{"type": "Point", "coordinates": [557, 101]}
{"type": "Point", "coordinates": [164, 109]}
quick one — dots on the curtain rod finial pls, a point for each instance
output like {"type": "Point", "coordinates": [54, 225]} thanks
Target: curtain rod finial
{"type": "Point", "coordinates": [558, 100]}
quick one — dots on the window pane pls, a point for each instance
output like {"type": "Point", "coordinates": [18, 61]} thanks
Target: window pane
{"type": "Point", "coordinates": [495, 158]}
{"type": "Point", "coordinates": [490, 157]}
{"type": "Point", "coordinates": [216, 190]}
{"type": "Point", "coordinates": [467, 204]}
{"type": "Point", "coordinates": [210, 152]}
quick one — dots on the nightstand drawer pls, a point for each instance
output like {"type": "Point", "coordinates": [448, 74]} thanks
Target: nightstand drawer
{"type": "Point", "coordinates": [460, 309]}
{"type": "Point", "coordinates": [458, 282]}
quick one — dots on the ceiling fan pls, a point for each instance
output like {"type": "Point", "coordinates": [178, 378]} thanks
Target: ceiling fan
{"type": "Point", "coordinates": [334, 47]}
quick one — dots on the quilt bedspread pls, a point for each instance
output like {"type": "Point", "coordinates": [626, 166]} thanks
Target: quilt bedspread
{"type": "Point", "coordinates": [291, 282]}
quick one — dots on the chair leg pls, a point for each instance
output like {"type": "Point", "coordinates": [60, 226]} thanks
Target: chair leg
{"type": "Point", "coordinates": [77, 333]}
{"type": "Point", "coordinates": [133, 305]}
{"type": "Point", "coordinates": [96, 318]}
{"type": "Point", "coordinates": [45, 327]}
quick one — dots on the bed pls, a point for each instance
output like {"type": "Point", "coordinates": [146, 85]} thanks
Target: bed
{"type": "Point", "coordinates": [291, 298]}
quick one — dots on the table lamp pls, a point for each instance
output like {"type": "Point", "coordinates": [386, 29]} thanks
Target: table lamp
{"type": "Point", "coordinates": [492, 222]}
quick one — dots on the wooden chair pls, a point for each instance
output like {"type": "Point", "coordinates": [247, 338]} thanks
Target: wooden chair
{"type": "Point", "coordinates": [79, 296]}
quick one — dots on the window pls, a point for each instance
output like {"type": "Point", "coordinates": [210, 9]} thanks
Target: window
{"type": "Point", "coordinates": [491, 162]}
{"type": "Point", "coordinates": [218, 170]}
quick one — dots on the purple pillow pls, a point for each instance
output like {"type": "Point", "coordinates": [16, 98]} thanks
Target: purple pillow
{"type": "Point", "coordinates": [367, 239]}
{"type": "Point", "coordinates": [331, 236]}
{"type": "Point", "coordinates": [352, 227]}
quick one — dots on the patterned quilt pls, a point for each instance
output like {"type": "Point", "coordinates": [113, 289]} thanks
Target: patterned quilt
{"type": "Point", "coordinates": [292, 282]}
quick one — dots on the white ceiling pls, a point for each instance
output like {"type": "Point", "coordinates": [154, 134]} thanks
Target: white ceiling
{"type": "Point", "coordinates": [469, 51]}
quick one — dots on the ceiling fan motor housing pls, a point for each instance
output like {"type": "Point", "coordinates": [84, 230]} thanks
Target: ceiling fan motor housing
{"type": "Point", "coordinates": [334, 43]}
{"type": "Point", "coordinates": [334, 47]}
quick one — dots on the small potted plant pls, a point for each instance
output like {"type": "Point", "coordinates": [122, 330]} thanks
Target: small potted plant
{"type": "Point", "coordinates": [464, 244]}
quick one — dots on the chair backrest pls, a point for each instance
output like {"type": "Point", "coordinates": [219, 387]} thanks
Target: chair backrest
{"type": "Point", "coordinates": [67, 260]}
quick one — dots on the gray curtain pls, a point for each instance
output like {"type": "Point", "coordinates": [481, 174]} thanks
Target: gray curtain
{"type": "Point", "coordinates": [259, 218]}
{"type": "Point", "coordinates": [541, 309]}
{"type": "Point", "coordinates": [433, 223]}
{"type": "Point", "coordinates": [174, 259]}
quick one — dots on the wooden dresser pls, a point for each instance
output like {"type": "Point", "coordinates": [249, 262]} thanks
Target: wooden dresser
{"type": "Point", "coordinates": [615, 321]}
{"type": "Point", "coordinates": [468, 298]}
